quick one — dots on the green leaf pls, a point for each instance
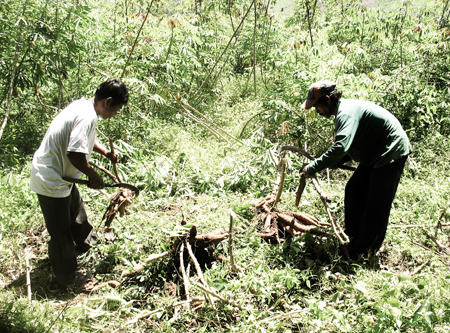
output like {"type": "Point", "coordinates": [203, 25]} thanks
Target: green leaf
{"type": "Point", "coordinates": [361, 286]}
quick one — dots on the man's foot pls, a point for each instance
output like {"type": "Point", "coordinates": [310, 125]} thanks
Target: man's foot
{"type": "Point", "coordinates": [79, 282]}
{"type": "Point", "coordinates": [345, 251]}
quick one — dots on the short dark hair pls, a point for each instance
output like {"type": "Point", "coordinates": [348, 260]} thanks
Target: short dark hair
{"type": "Point", "coordinates": [334, 97]}
{"type": "Point", "coordinates": [112, 88]}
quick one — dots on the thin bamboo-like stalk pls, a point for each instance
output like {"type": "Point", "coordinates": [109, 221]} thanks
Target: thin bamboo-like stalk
{"type": "Point", "coordinates": [210, 121]}
{"type": "Point", "coordinates": [186, 113]}
{"type": "Point", "coordinates": [223, 52]}
{"type": "Point", "coordinates": [11, 88]}
{"type": "Point", "coordinates": [136, 40]}
{"type": "Point", "coordinates": [198, 120]}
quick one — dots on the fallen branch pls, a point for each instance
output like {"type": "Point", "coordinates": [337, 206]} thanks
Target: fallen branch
{"type": "Point", "coordinates": [438, 224]}
{"type": "Point", "coordinates": [284, 315]}
{"type": "Point", "coordinates": [111, 283]}
{"type": "Point", "coordinates": [436, 242]}
{"type": "Point", "coordinates": [210, 292]}
{"type": "Point", "coordinates": [418, 269]}
{"type": "Point", "coordinates": [421, 245]}
{"type": "Point", "coordinates": [164, 308]}
{"type": "Point", "coordinates": [140, 267]}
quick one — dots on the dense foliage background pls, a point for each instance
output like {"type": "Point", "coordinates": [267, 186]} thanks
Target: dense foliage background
{"type": "Point", "coordinates": [246, 67]}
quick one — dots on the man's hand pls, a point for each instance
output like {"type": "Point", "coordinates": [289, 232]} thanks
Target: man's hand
{"type": "Point", "coordinates": [113, 156]}
{"type": "Point", "coordinates": [304, 171]}
{"type": "Point", "coordinates": [79, 161]}
{"type": "Point", "coordinates": [95, 181]}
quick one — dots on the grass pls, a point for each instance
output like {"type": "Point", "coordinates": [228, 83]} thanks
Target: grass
{"type": "Point", "coordinates": [303, 285]}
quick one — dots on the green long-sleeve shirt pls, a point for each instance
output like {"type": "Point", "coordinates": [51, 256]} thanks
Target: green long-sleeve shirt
{"type": "Point", "coordinates": [367, 133]}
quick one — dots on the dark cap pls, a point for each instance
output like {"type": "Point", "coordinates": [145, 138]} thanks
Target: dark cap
{"type": "Point", "coordinates": [316, 90]}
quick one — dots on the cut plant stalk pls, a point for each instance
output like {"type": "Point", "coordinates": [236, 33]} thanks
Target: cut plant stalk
{"type": "Point", "coordinates": [184, 275]}
{"type": "Point", "coordinates": [199, 271]}
{"type": "Point", "coordinates": [301, 188]}
{"type": "Point", "coordinates": [279, 183]}
{"type": "Point", "coordinates": [234, 267]}
{"type": "Point", "coordinates": [338, 231]}
{"type": "Point", "coordinates": [28, 271]}
{"type": "Point", "coordinates": [111, 145]}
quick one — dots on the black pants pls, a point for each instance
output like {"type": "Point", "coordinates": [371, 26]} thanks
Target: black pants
{"type": "Point", "coordinates": [66, 222]}
{"type": "Point", "coordinates": [368, 199]}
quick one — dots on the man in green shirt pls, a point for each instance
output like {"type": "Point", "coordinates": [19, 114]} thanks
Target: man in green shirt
{"type": "Point", "coordinates": [372, 136]}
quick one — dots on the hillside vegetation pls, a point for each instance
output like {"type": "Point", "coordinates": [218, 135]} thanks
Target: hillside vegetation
{"type": "Point", "coordinates": [215, 88]}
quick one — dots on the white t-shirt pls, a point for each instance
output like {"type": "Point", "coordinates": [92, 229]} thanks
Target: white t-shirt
{"type": "Point", "coordinates": [72, 130]}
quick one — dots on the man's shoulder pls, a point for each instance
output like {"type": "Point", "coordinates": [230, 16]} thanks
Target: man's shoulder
{"type": "Point", "coordinates": [80, 108]}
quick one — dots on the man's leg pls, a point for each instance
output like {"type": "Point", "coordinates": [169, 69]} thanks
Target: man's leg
{"type": "Point", "coordinates": [356, 192]}
{"type": "Point", "coordinates": [82, 230]}
{"type": "Point", "coordinates": [61, 249]}
{"type": "Point", "coordinates": [371, 230]}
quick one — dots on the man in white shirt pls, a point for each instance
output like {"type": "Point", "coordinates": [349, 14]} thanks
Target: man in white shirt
{"type": "Point", "coordinates": [65, 152]}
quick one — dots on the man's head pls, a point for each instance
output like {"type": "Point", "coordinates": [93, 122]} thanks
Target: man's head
{"type": "Point", "coordinates": [110, 97]}
{"type": "Point", "coordinates": [324, 97]}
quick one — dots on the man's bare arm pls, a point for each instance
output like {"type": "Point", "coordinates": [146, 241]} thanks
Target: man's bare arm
{"type": "Point", "coordinates": [79, 161]}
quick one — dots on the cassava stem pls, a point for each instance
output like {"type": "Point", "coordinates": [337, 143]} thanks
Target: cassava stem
{"type": "Point", "coordinates": [340, 234]}
{"type": "Point", "coordinates": [280, 181]}
{"type": "Point", "coordinates": [183, 273]}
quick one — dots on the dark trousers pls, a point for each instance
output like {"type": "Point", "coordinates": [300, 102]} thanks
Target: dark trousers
{"type": "Point", "coordinates": [368, 199]}
{"type": "Point", "coordinates": [66, 222]}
